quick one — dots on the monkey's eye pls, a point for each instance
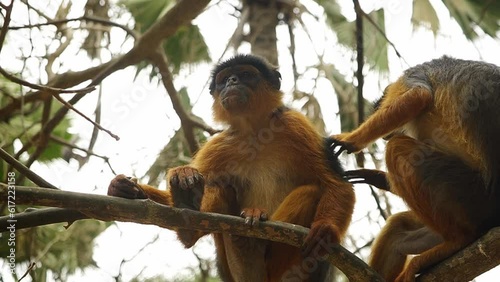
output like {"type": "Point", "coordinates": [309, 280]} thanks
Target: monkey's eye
{"type": "Point", "coordinates": [223, 80]}
{"type": "Point", "coordinates": [246, 74]}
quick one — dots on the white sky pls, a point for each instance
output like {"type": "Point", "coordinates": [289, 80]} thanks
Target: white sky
{"type": "Point", "coordinates": [130, 106]}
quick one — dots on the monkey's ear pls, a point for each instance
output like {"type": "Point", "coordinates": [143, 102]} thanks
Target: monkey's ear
{"type": "Point", "coordinates": [276, 80]}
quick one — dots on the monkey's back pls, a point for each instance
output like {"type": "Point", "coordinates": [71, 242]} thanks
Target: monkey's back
{"type": "Point", "coordinates": [465, 113]}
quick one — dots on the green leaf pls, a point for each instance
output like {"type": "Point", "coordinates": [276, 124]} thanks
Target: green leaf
{"type": "Point", "coordinates": [186, 46]}
{"type": "Point", "coordinates": [470, 14]}
{"type": "Point", "coordinates": [146, 12]}
{"type": "Point", "coordinates": [425, 15]}
{"type": "Point", "coordinates": [375, 45]}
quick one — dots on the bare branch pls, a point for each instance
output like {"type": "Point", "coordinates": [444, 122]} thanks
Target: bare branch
{"type": "Point", "coordinates": [6, 22]}
{"type": "Point", "coordinates": [68, 105]}
{"type": "Point", "coordinates": [149, 212]}
{"type": "Point", "coordinates": [83, 18]}
{"type": "Point", "coordinates": [160, 61]}
{"type": "Point", "coordinates": [381, 31]}
{"type": "Point", "coordinates": [42, 87]}
{"type": "Point", "coordinates": [40, 217]}
{"type": "Point", "coordinates": [24, 170]}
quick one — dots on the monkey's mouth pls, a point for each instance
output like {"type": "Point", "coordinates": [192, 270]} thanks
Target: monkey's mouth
{"type": "Point", "coordinates": [232, 92]}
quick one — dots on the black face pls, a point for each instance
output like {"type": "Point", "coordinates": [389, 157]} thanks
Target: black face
{"type": "Point", "coordinates": [264, 69]}
{"type": "Point", "coordinates": [234, 85]}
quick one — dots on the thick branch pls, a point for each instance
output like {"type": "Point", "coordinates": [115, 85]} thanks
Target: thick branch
{"type": "Point", "coordinates": [149, 212]}
{"type": "Point", "coordinates": [477, 258]}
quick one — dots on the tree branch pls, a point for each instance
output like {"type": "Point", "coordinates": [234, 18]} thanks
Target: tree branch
{"type": "Point", "coordinates": [42, 87]}
{"type": "Point", "coordinates": [160, 61]}
{"type": "Point", "coordinates": [6, 22]}
{"type": "Point", "coordinates": [39, 217]}
{"type": "Point", "coordinates": [82, 18]}
{"type": "Point", "coordinates": [476, 259]}
{"type": "Point", "coordinates": [149, 212]}
{"type": "Point", "coordinates": [24, 170]}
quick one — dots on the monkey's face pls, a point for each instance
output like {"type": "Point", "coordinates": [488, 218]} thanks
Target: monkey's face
{"type": "Point", "coordinates": [235, 87]}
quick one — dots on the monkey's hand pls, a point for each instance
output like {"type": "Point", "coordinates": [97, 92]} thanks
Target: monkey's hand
{"type": "Point", "coordinates": [253, 216]}
{"type": "Point", "coordinates": [187, 186]}
{"type": "Point", "coordinates": [321, 239]}
{"type": "Point", "coordinates": [126, 187]}
{"type": "Point", "coordinates": [341, 142]}
{"type": "Point", "coordinates": [373, 177]}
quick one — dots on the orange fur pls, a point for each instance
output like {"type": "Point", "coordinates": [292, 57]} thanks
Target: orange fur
{"type": "Point", "coordinates": [269, 160]}
{"type": "Point", "coordinates": [446, 166]}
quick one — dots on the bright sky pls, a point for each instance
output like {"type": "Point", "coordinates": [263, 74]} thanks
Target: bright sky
{"type": "Point", "coordinates": [130, 106]}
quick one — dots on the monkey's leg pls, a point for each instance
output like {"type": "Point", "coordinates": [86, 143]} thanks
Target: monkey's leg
{"type": "Point", "coordinates": [437, 188]}
{"type": "Point", "coordinates": [402, 235]}
{"type": "Point", "coordinates": [285, 262]}
{"type": "Point", "coordinates": [402, 109]}
{"type": "Point", "coordinates": [238, 258]}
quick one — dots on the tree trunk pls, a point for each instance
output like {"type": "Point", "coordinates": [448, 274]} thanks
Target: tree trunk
{"type": "Point", "coordinates": [263, 19]}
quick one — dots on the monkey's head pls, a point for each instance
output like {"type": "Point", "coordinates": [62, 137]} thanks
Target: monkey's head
{"type": "Point", "coordinates": [244, 85]}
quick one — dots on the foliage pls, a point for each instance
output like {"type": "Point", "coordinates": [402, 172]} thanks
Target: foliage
{"type": "Point", "coordinates": [470, 14]}
{"type": "Point", "coordinates": [186, 47]}
{"type": "Point", "coordinates": [56, 248]}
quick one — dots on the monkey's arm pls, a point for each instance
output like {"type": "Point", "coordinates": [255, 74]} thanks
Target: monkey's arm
{"type": "Point", "coordinates": [373, 177]}
{"type": "Point", "coordinates": [186, 191]}
{"type": "Point", "coordinates": [395, 111]}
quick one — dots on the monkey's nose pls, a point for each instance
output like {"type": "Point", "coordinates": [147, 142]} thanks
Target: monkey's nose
{"type": "Point", "coordinates": [233, 79]}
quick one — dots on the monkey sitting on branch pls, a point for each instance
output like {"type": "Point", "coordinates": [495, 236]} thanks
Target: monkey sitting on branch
{"type": "Point", "coordinates": [443, 124]}
{"type": "Point", "coordinates": [270, 163]}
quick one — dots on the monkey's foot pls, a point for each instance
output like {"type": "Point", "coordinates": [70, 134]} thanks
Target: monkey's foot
{"type": "Point", "coordinates": [321, 240]}
{"type": "Point", "coordinates": [253, 216]}
{"type": "Point", "coordinates": [373, 177]}
{"type": "Point", "coordinates": [186, 186]}
{"type": "Point", "coordinates": [126, 187]}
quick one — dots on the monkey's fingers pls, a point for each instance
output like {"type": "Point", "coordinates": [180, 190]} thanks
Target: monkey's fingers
{"type": "Point", "coordinates": [253, 216]}
{"type": "Point", "coordinates": [321, 240]}
{"type": "Point", "coordinates": [125, 187]}
{"type": "Point", "coordinates": [338, 147]}
{"type": "Point", "coordinates": [186, 178]}
{"type": "Point", "coordinates": [186, 186]}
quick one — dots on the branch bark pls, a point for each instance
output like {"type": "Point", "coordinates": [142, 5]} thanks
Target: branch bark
{"type": "Point", "coordinates": [479, 257]}
{"type": "Point", "coordinates": [149, 212]}
{"type": "Point", "coordinates": [467, 264]}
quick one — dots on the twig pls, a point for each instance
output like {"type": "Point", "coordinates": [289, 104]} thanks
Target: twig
{"type": "Point", "coordinates": [67, 144]}
{"type": "Point", "coordinates": [68, 105]}
{"type": "Point", "coordinates": [31, 266]}
{"type": "Point", "coordinates": [204, 126]}
{"type": "Point", "coordinates": [25, 171]}
{"type": "Point", "coordinates": [384, 35]}
{"type": "Point", "coordinates": [82, 18]}
{"type": "Point", "coordinates": [377, 201]}
{"type": "Point", "coordinates": [46, 88]}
